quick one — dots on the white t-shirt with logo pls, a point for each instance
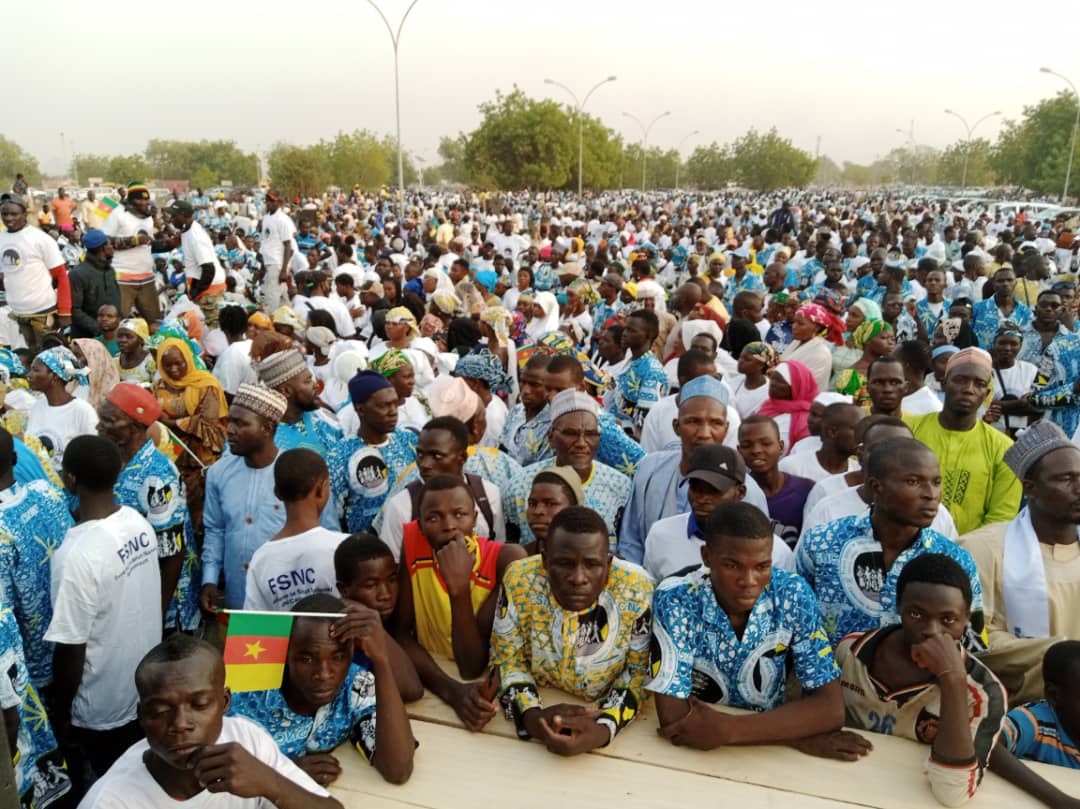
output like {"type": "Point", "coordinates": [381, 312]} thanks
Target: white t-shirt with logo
{"type": "Point", "coordinates": [54, 427]}
{"type": "Point", "coordinates": [26, 256]}
{"type": "Point", "coordinates": [129, 785]}
{"type": "Point", "coordinates": [283, 571]}
{"type": "Point", "coordinates": [106, 593]}
{"type": "Point", "coordinates": [277, 228]}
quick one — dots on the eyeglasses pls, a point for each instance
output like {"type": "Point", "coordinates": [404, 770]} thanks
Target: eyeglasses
{"type": "Point", "coordinates": [576, 435]}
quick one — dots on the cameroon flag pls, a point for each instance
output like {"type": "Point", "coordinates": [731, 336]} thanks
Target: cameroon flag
{"type": "Point", "coordinates": [255, 648]}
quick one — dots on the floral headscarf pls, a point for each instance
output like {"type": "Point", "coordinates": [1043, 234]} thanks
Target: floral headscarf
{"type": "Point", "coordinates": [558, 343]}
{"type": "Point", "coordinates": [482, 364]}
{"type": "Point", "coordinates": [764, 352]}
{"type": "Point", "coordinates": [446, 302]}
{"type": "Point", "coordinates": [391, 362]}
{"type": "Point", "coordinates": [11, 362]}
{"type": "Point", "coordinates": [499, 319]}
{"type": "Point", "coordinates": [64, 364]}
{"type": "Point", "coordinates": [867, 331]}
{"type": "Point", "coordinates": [870, 309]}
{"type": "Point", "coordinates": [830, 326]}
{"type": "Point", "coordinates": [583, 288]}
{"type": "Point", "coordinates": [137, 326]}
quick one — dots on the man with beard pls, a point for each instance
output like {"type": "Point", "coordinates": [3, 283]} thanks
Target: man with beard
{"type": "Point", "coordinates": [305, 423]}
{"type": "Point", "coordinates": [130, 227]}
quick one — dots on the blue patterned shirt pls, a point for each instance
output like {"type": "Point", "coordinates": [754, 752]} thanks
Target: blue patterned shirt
{"type": "Point", "coordinates": [315, 431]}
{"type": "Point", "coordinates": [361, 475]}
{"type": "Point", "coordinates": [986, 318]}
{"type": "Point", "coordinates": [751, 282]}
{"type": "Point", "coordinates": [151, 485]}
{"type": "Point", "coordinates": [602, 312]}
{"type": "Point", "coordinates": [1059, 368]}
{"type": "Point", "coordinates": [696, 651]}
{"type": "Point", "coordinates": [350, 716]}
{"type": "Point", "coordinates": [617, 449]}
{"type": "Point", "coordinates": [607, 492]}
{"type": "Point", "coordinates": [844, 563]}
{"type": "Point", "coordinates": [33, 521]}
{"type": "Point", "coordinates": [40, 778]}
{"type": "Point", "coordinates": [638, 388]}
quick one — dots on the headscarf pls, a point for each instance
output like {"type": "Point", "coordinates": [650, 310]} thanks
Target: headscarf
{"type": "Point", "coordinates": [558, 343]}
{"type": "Point", "coordinates": [446, 302]}
{"type": "Point", "coordinates": [764, 352]}
{"type": "Point", "coordinates": [483, 365]}
{"type": "Point", "coordinates": [442, 280]}
{"type": "Point", "coordinates": [867, 331]}
{"type": "Point", "coordinates": [102, 370]}
{"type": "Point", "coordinates": [832, 300]}
{"type": "Point", "coordinates": [547, 324]}
{"type": "Point", "coordinates": [831, 327]}
{"type": "Point", "coordinates": [321, 338]}
{"type": "Point", "coordinates": [583, 288]}
{"type": "Point", "coordinates": [1009, 328]}
{"type": "Point", "coordinates": [870, 310]}
{"type": "Point", "coordinates": [195, 381]}
{"type": "Point", "coordinates": [10, 361]}
{"type": "Point", "coordinates": [64, 364]}
{"type": "Point", "coordinates": [650, 289]}
{"type": "Point", "coordinates": [499, 319]}
{"type": "Point", "coordinates": [174, 331]}
{"type": "Point", "coordinates": [430, 325]}
{"type": "Point", "coordinates": [391, 362]}
{"type": "Point", "coordinates": [803, 391]}
{"type": "Point", "coordinates": [137, 326]}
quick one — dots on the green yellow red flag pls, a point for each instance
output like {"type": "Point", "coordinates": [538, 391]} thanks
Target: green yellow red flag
{"type": "Point", "coordinates": [256, 645]}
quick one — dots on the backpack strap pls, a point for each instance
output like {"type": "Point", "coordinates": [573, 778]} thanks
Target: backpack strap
{"type": "Point", "coordinates": [476, 483]}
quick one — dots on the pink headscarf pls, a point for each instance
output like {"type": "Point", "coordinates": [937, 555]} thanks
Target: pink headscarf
{"type": "Point", "coordinates": [820, 316]}
{"type": "Point", "coordinates": [803, 391]}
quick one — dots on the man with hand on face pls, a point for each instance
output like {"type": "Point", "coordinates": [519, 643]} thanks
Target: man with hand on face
{"type": "Point", "coordinates": [192, 750]}
{"type": "Point", "coordinates": [327, 698]}
{"type": "Point", "coordinates": [914, 680]}
{"type": "Point", "coordinates": [726, 633]}
{"type": "Point", "coordinates": [578, 619]}
{"type": "Point", "coordinates": [447, 595]}
{"type": "Point", "coordinates": [204, 273]}
{"type": "Point", "coordinates": [716, 475]}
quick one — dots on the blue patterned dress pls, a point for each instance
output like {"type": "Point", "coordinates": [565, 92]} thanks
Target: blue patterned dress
{"type": "Point", "coordinates": [361, 475]}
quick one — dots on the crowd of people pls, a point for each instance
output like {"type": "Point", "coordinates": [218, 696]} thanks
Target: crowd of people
{"type": "Point", "coordinates": [811, 456]}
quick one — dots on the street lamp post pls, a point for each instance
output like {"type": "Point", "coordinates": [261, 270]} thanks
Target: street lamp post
{"type": "Point", "coordinates": [645, 139]}
{"type": "Point", "coordinates": [678, 153]}
{"type": "Point", "coordinates": [395, 38]}
{"type": "Point", "coordinates": [579, 106]}
{"type": "Point", "coordinates": [1072, 140]}
{"type": "Point", "coordinates": [967, 142]}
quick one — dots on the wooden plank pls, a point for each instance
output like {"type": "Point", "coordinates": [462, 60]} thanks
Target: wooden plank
{"type": "Point", "coordinates": [779, 767]}
{"type": "Point", "coordinates": [456, 769]}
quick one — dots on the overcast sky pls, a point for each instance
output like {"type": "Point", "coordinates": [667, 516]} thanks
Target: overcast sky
{"type": "Point", "coordinates": [113, 75]}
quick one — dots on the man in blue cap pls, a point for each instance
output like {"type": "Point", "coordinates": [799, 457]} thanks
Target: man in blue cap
{"type": "Point", "coordinates": [93, 284]}
{"type": "Point", "coordinates": [364, 467]}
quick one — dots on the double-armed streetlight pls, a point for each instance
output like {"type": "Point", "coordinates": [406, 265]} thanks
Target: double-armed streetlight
{"type": "Point", "coordinates": [395, 38]}
{"type": "Point", "coordinates": [967, 141]}
{"type": "Point", "coordinates": [678, 155]}
{"type": "Point", "coordinates": [578, 107]}
{"type": "Point", "coordinates": [1072, 140]}
{"type": "Point", "coordinates": [645, 139]}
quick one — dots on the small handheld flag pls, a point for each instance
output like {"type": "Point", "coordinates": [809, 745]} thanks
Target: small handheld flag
{"type": "Point", "coordinates": [256, 646]}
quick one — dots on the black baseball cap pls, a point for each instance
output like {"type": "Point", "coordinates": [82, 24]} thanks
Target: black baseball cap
{"type": "Point", "coordinates": [180, 206]}
{"type": "Point", "coordinates": [719, 466]}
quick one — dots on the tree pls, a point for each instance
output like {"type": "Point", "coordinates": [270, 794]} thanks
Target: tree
{"type": "Point", "coordinates": [979, 171]}
{"type": "Point", "coordinates": [204, 177]}
{"type": "Point", "coordinates": [766, 162]}
{"type": "Point", "coordinates": [710, 167]}
{"type": "Point", "coordinates": [299, 171]}
{"type": "Point", "coordinates": [1034, 151]}
{"type": "Point", "coordinates": [121, 169]}
{"type": "Point", "coordinates": [827, 173]}
{"type": "Point", "coordinates": [522, 142]}
{"type": "Point", "coordinates": [453, 168]}
{"type": "Point", "coordinates": [15, 160]}
{"type": "Point", "coordinates": [857, 174]}
{"type": "Point", "coordinates": [178, 160]}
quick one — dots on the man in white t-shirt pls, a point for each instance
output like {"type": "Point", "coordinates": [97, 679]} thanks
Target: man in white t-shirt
{"type": "Point", "coordinates": [233, 367]}
{"type": "Point", "coordinates": [838, 445]}
{"type": "Point", "coordinates": [193, 754]}
{"type": "Point", "coordinates": [106, 600]}
{"type": "Point", "coordinates": [204, 273]}
{"type": "Point", "coordinates": [298, 561]}
{"type": "Point", "coordinates": [277, 247]}
{"type": "Point", "coordinates": [30, 261]}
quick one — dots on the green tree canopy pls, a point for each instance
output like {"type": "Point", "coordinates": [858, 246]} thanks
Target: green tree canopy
{"type": "Point", "coordinates": [522, 142]}
{"type": "Point", "coordinates": [765, 162]}
{"type": "Point", "coordinates": [950, 169]}
{"type": "Point", "coordinates": [16, 160]}
{"type": "Point", "coordinates": [121, 169]}
{"type": "Point", "coordinates": [1033, 152]}
{"type": "Point", "coordinates": [179, 160]}
{"type": "Point", "coordinates": [299, 170]}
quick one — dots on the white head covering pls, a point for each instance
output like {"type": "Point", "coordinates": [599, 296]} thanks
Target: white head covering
{"type": "Point", "coordinates": [689, 329]}
{"type": "Point", "coordinates": [442, 280]}
{"type": "Point", "coordinates": [650, 289]}
{"type": "Point", "coordinates": [538, 327]}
